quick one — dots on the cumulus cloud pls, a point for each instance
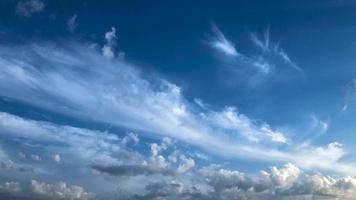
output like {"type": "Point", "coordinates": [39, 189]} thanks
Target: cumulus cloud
{"type": "Point", "coordinates": [288, 182]}
{"type": "Point", "coordinates": [59, 190]}
{"type": "Point", "coordinates": [26, 8]}
{"type": "Point", "coordinates": [108, 49]}
{"type": "Point", "coordinates": [187, 163]}
{"type": "Point", "coordinates": [7, 164]}
{"type": "Point", "coordinates": [131, 137]}
{"type": "Point", "coordinates": [10, 187]}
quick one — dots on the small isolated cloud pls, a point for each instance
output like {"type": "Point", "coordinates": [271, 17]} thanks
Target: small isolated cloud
{"type": "Point", "coordinates": [36, 157]}
{"type": "Point", "coordinates": [72, 23]}
{"type": "Point", "coordinates": [220, 43]}
{"type": "Point", "coordinates": [57, 158]}
{"type": "Point", "coordinates": [108, 49]}
{"type": "Point", "coordinates": [26, 8]}
{"type": "Point", "coordinates": [318, 125]}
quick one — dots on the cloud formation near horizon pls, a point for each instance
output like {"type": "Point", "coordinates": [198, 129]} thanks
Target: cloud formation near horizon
{"type": "Point", "coordinates": [120, 95]}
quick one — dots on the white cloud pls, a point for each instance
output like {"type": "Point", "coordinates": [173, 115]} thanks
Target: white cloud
{"type": "Point", "coordinates": [59, 190]}
{"type": "Point", "coordinates": [131, 137]}
{"type": "Point", "coordinates": [28, 7]}
{"type": "Point", "coordinates": [269, 58]}
{"type": "Point", "coordinates": [111, 42]}
{"type": "Point", "coordinates": [57, 158]}
{"type": "Point", "coordinates": [220, 43]}
{"type": "Point", "coordinates": [187, 163]}
{"type": "Point", "coordinates": [36, 157]}
{"type": "Point", "coordinates": [121, 96]}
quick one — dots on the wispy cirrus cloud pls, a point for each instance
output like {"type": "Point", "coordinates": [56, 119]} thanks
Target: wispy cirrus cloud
{"type": "Point", "coordinates": [268, 59]}
{"type": "Point", "coordinates": [220, 43]}
{"type": "Point", "coordinates": [26, 8]}
{"type": "Point", "coordinates": [120, 95]}
{"type": "Point", "coordinates": [72, 23]}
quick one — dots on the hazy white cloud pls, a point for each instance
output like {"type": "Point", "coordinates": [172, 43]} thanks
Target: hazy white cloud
{"type": "Point", "coordinates": [7, 164]}
{"type": "Point", "coordinates": [271, 49]}
{"type": "Point", "coordinates": [57, 158]}
{"type": "Point", "coordinates": [120, 95]}
{"type": "Point", "coordinates": [26, 8]}
{"type": "Point", "coordinates": [319, 125]}
{"type": "Point", "coordinates": [108, 49]}
{"type": "Point", "coordinates": [72, 23]}
{"type": "Point", "coordinates": [36, 157]}
{"type": "Point", "coordinates": [10, 187]}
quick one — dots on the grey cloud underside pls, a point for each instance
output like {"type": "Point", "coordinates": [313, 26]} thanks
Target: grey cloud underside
{"type": "Point", "coordinates": [131, 170]}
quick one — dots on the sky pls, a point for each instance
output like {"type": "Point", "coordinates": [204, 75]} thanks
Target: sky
{"type": "Point", "coordinates": [244, 99]}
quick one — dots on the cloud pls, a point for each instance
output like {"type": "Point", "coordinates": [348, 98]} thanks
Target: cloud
{"type": "Point", "coordinates": [108, 49]}
{"type": "Point", "coordinates": [59, 190]}
{"type": "Point", "coordinates": [105, 153]}
{"type": "Point", "coordinates": [131, 170]}
{"type": "Point", "coordinates": [26, 8]}
{"type": "Point", "coordinates": [119, 94]}
{"type": "Point", "coordinates": [220, 43]}
{"type": "Point", "coordinates": [131, 137]}
{"type": "Point", "coordinates": [319, 125]}
{"type": "Point", "coordinates": [72, 23]}
{"type": "Point", "coordinates": [286, 183]}
{"type": "Point", "coordinates": [187, 163]}
{"type": "Point", "coordinates": [36, 157]}
{"type": "Point", "coordinates": [267, 59]}
{"type": "Point", "coordinates": [57, 158]}
{"type": "Point", "coordinates": [270, 50]}
{"type": "Point", "coordinates": [10, 187]}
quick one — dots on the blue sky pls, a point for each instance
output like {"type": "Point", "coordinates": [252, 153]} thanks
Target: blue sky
{"type": "Point", "coordinates": [177, 100]}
